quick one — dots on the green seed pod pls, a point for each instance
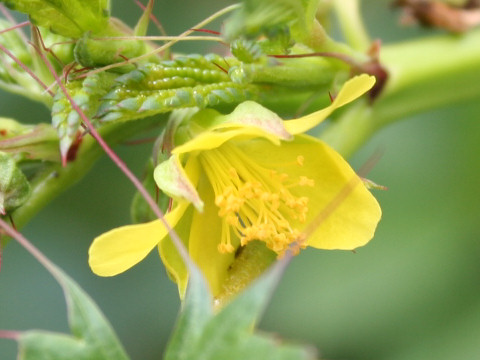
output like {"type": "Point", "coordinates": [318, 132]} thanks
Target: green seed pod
{"type": "Point", "coordinates": [186, 81]}
{"type": "Point", "coordinates": [14, 186]}
{"type": "Point", "coordinates": [148, 103]}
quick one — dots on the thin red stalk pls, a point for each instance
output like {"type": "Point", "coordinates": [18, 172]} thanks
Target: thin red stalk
{"type": "Point", "coordinates": [153, 18]}
{"type": "Point", "coordinates": [221, 68]}
{"type": "Point", "coordinates": [16, 26]}
{"type": "Point", "coordinates": [6, 334]}
{"type": "Point", "coordinates": [37, 38]}
{"type": "Point", "coordinates": [26, 69]}
{"type": "Point", "coordinates": [207, 31]}
{"type": "Point", "coordinates": [338, 56]}
{"type": "Point", "coordinates": [123, 167]}
{"type": "Point", "coordinates": [12, 20]}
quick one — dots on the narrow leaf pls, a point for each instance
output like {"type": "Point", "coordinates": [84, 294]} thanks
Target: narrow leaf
{"type": "Point", "coordinates": [201, 334]}
{"type": "Point", "coordinates": [196, 311]}
{"type": "Point", "coordinates": [93, 337]}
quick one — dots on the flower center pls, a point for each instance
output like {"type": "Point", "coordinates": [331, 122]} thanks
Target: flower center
{"type": "Point", "coordinates": [254, 203]}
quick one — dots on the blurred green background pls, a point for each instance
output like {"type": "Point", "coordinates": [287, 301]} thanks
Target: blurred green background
{"type": "Point", "coordinates": [412, 293]}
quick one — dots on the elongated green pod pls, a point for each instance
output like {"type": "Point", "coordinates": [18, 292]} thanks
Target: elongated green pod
{"type": "Point", "coordinates": [186, 81]}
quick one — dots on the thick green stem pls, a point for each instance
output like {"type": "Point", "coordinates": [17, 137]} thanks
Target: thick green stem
{"type": "Point", "coordinates": [252, 260]}
{"type": "Point", "coordinates": [56, 179]}
{"type": "Point", "coordinates": [424, 74]}
{"type": "Point", "coordinates": [351, 22]}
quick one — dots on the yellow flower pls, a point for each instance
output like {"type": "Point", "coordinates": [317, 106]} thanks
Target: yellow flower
{"type": "Point", "coordinates": [242, 177]}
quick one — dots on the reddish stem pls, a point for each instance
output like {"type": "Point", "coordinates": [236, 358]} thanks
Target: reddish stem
{"type": "Point", "coordinates": [26, 69]}
{"type": "Point", "coordinates": [221, 68]}
{"type": "Point", "coordinates": [16, 26]}
{"type": "Point", "coordinates": [13, 335]}
{"type": "Point", "coordinates": [153, 18]}
{"type": "Point", "coordinates": [345, 58]}
{"type": "Point", "coordinates": [207, 31]}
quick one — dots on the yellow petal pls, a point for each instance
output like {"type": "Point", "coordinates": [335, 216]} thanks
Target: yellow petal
{"type": "Point", "coordinates": [350, 91]}
{"type": "Point", "coordinates": [213, 139]}
{"type": "Point", "coordinates": [349, 212]}
{"type": "Point", "coordinates": [205, 235]}
{"type": "Point", "coordinates": [171, 259]}
{"type": "Point", "coordinates": [119, 249]}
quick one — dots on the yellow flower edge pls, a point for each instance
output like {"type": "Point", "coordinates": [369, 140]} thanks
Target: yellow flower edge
{"type": "Point", "coordinates": [351, 90]}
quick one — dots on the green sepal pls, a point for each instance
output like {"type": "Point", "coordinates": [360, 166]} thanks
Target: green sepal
{"type": "Point", "coordinates": [14, 186]}
{"type": "Point", "coordinates": [92, 336]}
{"type": "Point", "coordinates": [141, 28]}
{"type": "Point", "coordinates": [70, 18]}
{"type": "Point", "coordinates": [229, 333]}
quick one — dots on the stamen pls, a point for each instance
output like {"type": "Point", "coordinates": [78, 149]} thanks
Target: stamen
{"type": "Point", "coordinates": [300, 160]}
{"type": "Point", "coordinates": [253, 201]}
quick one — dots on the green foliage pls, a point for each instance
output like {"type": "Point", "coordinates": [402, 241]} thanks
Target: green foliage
{"type": "Point", "coordinates": [259, 17]}
{"type": "Point", "coordinates": [92, 337]}
{"type": "Point", "coordinates": [14, 186]}
{"type": "Point", "coordinates": [69, 18]}
{"type": "Point", "coordinates": [203, 334]}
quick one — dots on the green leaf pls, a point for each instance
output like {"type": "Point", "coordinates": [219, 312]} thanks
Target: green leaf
{"type": "Point", "coordinates": [92, 336]}
{"type": "Point", "coordinates": [196, 311]}
{"type": "Point", "coordinates": [69, 18]}
{"type": "Point", "coordinates": [201, 334]}
{"type": "Point", "coordinates": [14, 186]}
{"type": "Point", "coordinates": [262, 16]}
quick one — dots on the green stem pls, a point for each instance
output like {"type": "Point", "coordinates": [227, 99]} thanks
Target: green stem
{"type": "Point", "coordinates": [251, 262]}
{"type": "Point", "coordinates": [56, 179]}
{"type": "Point", "coordinates": [424, 74]}
{"type": "Point", "coordinates": [351, 22]}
